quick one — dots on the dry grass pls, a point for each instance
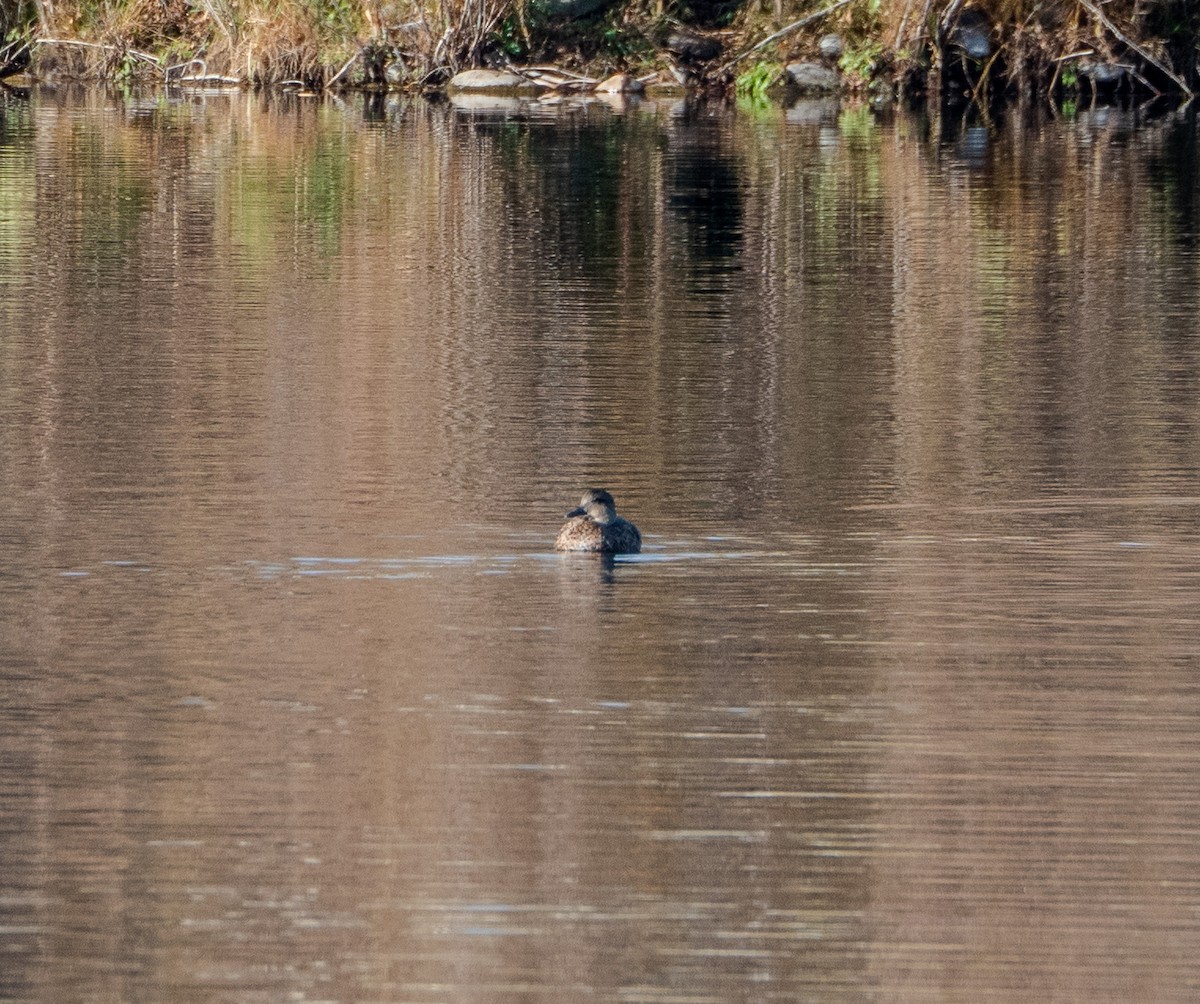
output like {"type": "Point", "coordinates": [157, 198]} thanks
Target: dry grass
{"type": "Point", "coordinates": [1034, 39]}
{"type": "Point", "coordinates": [268, 41]}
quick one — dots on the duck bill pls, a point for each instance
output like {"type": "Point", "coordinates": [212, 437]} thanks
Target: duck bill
{"type": "Point", "coordinates": [577, 511]}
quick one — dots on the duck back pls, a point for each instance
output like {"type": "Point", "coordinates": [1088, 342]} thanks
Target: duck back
{"type": "Point", "coordinates": [581, 533]}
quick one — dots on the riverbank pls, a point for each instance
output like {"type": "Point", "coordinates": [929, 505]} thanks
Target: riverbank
{"type": "Point", "coordinates": [986, 50]}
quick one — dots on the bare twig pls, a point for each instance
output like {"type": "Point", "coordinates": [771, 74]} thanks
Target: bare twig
{"type": "Point", "coordinates": [981, 85]}
{"type": "Point", "coordinates": [1050, 89]}
{"type": "Point", "coordinates": [208, 78]}
{"type": "Point", "coordinates": [794, 26]}
{"type": "Point", "coordinates": [224, 23]}
{"type": "Point", "coordinates": [903, 24]}
{"type": "Point", "coordinates": [555, 70]}
{"type": "Point", "coordinates": [949, 14]}
{"type": "Point", "coordinates": [921, 24]}
{"type": "Point", "coordinates": [349, 63]}
{"type": "Point", "coordinates": [203, 77]}
{"type": "Point", "coordinates": [1074, 55]}
{"type": "Point", "coordinates": [186, 65]}
{"type": "Point", "coordinates": [1137, 76]}
{"type": "Point", "coordinates": [1099, 15]}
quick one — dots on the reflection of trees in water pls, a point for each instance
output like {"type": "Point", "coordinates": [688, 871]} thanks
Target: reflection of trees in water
{"type": "Point", "coordinates": [567, 188]}
{"type": "Point", "coordinates": [1175, 173]}
{"type": "Point", "coordinates": [744, 310]}
{"type": "Point", "coordinates": [576, 188]}
{"type": "Point", "coordinates": [704, 194]}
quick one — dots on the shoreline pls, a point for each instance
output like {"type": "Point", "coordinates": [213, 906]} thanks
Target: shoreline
{"type": "Point", "coordinates": [976, 54]}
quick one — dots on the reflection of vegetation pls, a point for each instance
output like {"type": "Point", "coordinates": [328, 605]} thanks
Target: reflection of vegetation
{"type": "Point", "coordinates": [311, 198]}
{"type": "Point", "coordinates": [574, 186]}
{"type": "Point", "coordinates": [17, 213]}
{"type": "Point", "coordinates": [856, 122]}
{"type": "Point", "coordinates": [745, 235]}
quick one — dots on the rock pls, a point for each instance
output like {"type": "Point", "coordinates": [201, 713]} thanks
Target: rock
{"type": "Point", "coordinates": [693, 48]}
{"type": "Point", "coordinates": [831, 47]}
{"type": "Point", "coordinates": [973, 34]}
{"type": "Point", "coordinates": [813, 78]}
{"type": "Point", "coordinates": [570, 10]}
{"type": "Point", "coordinates": [1102, 74]}
{"type": "Point", "coordinates": [490, 82]}
{"type": "Point", "coordinates": [619, 83]}
{"type": "Point", "coordinates": [396, 72]}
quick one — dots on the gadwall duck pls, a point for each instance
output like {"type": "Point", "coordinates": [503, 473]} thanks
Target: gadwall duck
{"type": "Point", "coordinates": [595, 526]}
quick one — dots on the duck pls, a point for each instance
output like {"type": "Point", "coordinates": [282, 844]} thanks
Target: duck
{"type": "Point", "coordinates": [595, 526]}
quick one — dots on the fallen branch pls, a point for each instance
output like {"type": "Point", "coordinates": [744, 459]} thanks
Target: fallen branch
{"type": "Point", "coordinates": [794, 26]}
{"type": "Point", "coordinates": [555, 70]}
{"type": "Point", "coordinates": [152, 60]}
{"type": "Point", "coordinates": [208, 78]}
{"type": "Point", "coordinates": [1140, 79]}
{"type": "Point", "coordinates": [203, 77]}
{"type": "Point", "coordinates": [554, 79]}
{"type": "Point", "coordinates": [349, 63]}
{"type": "Point", "coordinates": [1099, 15]}
{"type": "Point", "coordinates": [187, 64]}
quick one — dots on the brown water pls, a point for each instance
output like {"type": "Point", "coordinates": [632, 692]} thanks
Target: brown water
{"type": "Point", "coordinates": [901, 701]}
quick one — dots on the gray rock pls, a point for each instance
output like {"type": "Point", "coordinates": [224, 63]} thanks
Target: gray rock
{"type": "Point", "coordinates": [831, 47]}
{"type": "Point", "coordinates": [1102, 74]}
{"type": "Point", "coordinates": [396, 72]}
{"type": "Point", "coordinates": [693, 48]}
{"type": "Point", "coordinates": [490, 82]}
{"type": "Point", "coordinates": [813, 78]}
{"type": "Point", "coordinates": [571, 10]}
{"type": "Point", "coordinates": [973, 34]}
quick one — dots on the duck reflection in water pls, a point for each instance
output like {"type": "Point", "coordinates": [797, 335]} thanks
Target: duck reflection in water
{"type": "Point", "coordinates": [595, 526]}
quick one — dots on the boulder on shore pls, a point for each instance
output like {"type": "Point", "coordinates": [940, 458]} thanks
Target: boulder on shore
{"type": "Point", "coordinates": [1102, 74]}
{"type": "Point", "coordinates": [570, 10]}
{"type": "Point", "coordinates": [490, 82]}
{"type": "Point", "coordinates": [813, 78]}
{"type": "Point", "coordinates": [972, 35]}
{"type": "Point", "coordinates": [693, 47]}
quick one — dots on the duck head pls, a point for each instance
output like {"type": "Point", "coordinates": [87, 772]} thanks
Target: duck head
{"type": "Point", "coordinates": [597, 505]}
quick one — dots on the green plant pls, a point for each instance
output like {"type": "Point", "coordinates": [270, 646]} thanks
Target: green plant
{"type": "Point", "coordinates": [861, 61]}
{"type": "Point", "coordinates": [127, 69]}
{"type": "Point", "coordinates": [758, 80]}
{"type": "Point", "coordinates": [510, 38]}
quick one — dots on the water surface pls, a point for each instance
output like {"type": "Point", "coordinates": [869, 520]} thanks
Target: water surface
{"type": "Point", "coordinates": [899, 703]}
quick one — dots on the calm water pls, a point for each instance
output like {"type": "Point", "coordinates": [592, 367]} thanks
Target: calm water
{"type": "Point", "coordinates": [901, 702]}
